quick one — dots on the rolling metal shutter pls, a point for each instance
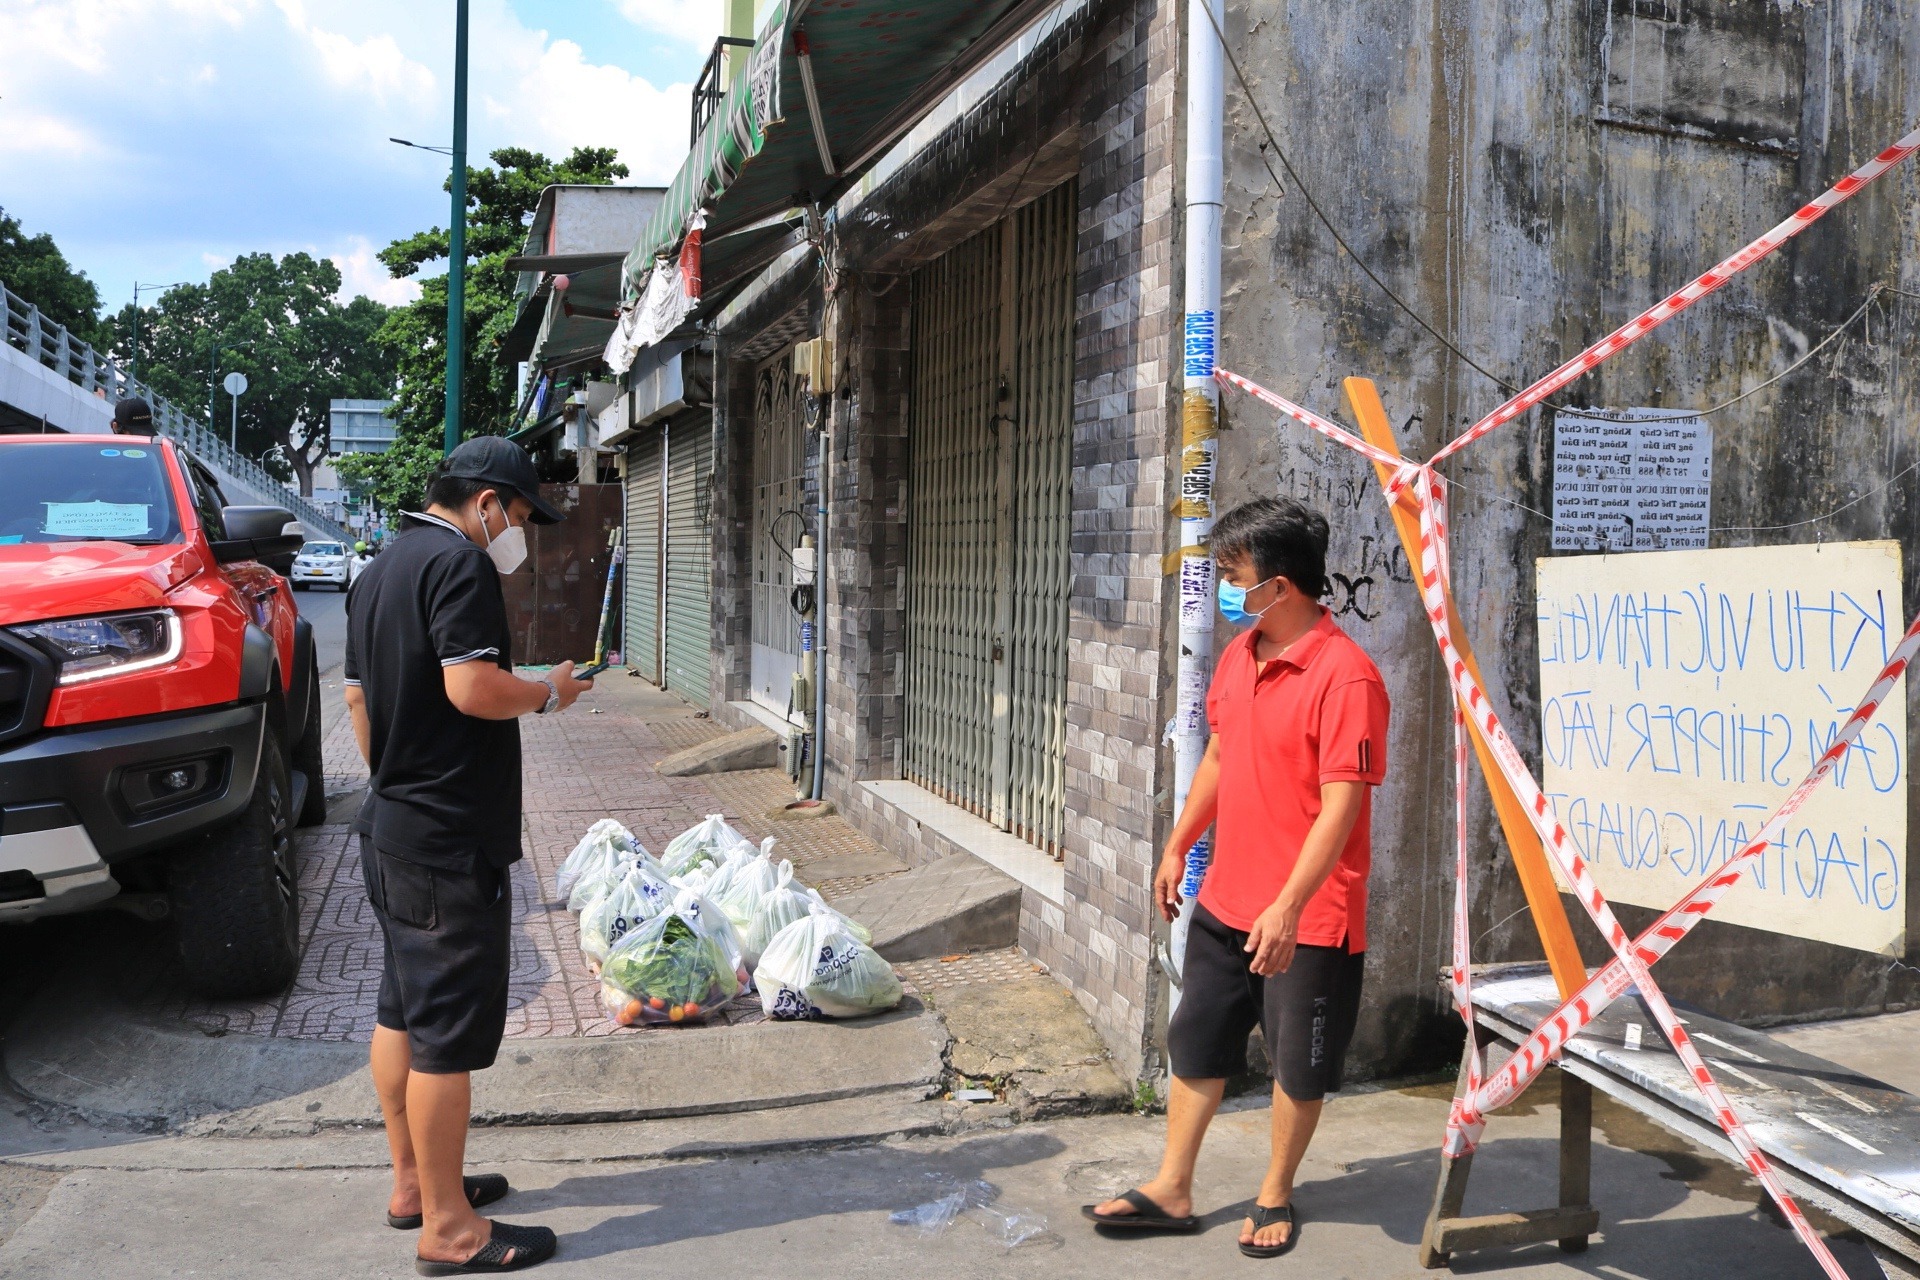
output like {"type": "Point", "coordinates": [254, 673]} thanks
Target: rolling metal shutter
{"type": "Point", "coordinates": [988, 521]}
{"type": "Point", "coordinates": [645, 482]}
{"type": "Point", "coordinates": [689, 556]}
{"type": "Point", "coordinates": [779, 518]}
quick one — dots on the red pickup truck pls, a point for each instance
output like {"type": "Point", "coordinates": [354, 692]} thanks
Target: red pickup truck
{"type": "Point", "coordinates": [159, 702]}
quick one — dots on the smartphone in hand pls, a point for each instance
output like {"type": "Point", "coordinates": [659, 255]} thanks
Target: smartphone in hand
{"type": "Point", "coordinates": [589, 672]}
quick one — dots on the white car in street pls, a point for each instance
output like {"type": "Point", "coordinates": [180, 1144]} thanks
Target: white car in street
{"type": "Point", "coordinates": [320, 563]}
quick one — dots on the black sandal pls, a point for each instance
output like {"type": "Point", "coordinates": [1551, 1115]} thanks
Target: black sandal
{"type": "Point", "coordinates": [1148, 1216]}
{"type": "Point", "coordinates": [482, 1188]}
{"type": "Point", "coordinates": [1264, 1216]}
{"type": "Point", "coordinates": [530, 1247]}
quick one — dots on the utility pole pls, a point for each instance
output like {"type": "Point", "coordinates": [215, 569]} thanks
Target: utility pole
{"type": "Point", "coordinates": [457, 234]}
{"type": "Point", "coordinates": [1199, 423]}
{"type": "Point", "coordinates": [133, 359]}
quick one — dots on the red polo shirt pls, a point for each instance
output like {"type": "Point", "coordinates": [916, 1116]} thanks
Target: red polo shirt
{"type": "Point", "coordinates": [1316, 714]}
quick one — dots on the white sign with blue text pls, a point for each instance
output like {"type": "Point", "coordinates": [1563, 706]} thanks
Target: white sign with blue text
{"type": "Point", "coordinates": [1683, 694]}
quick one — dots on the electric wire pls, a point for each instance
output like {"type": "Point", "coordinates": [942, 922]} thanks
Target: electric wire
{"type": "Point", "coordinates": [1313, 204]}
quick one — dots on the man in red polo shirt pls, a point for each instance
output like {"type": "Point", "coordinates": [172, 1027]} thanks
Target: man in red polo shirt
{"type": "Point", "coordinates": [1278, 938]}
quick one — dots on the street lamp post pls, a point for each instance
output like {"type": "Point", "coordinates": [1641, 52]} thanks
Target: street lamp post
{"type": "Point", "coordinates": [457, 234]}
{"type": "Point", "coordinates": [133, 359]}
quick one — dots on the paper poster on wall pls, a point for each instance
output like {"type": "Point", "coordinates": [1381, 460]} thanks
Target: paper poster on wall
{"type": "Point", "coordinates": [1683, 694]}
{"type": "Point", "coordinates": [1630, 480]}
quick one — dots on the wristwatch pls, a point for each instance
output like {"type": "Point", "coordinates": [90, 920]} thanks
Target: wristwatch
{"type": "Point", "coordinates": [553, 696]}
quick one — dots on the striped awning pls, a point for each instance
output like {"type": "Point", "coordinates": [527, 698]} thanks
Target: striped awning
{"type": "Point", "coordinates": [877, 67]}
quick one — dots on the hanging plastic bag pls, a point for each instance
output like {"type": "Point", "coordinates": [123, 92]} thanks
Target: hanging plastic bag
{"type": "Point", "coordinates": [680, 966]}
{"type": "Point", "coordinates": [605, 844]}
{"type": "Point", "coordinates": [817, 967]}
{"type": "Point", "coordinates": [738, 887]}
{"type": "Point", "coordinates": [641, 894]}
{"type": "Point", "coordinates": [707, 841]}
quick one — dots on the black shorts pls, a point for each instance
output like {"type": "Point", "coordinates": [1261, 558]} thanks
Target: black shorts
{"type": "Point", "coordinates": [1307, 1013]}
{"type": "Point", "coordinates": [449, 951]}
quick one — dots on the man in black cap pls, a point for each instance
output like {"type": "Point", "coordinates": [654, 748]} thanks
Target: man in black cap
{"type": "Point", "coordinates": [435, 706]}
{"type": "Point", "coordinates": [132, 416]}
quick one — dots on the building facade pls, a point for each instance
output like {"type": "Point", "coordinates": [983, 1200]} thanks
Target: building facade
{"type": "Point", "coordinates": [950, 386]}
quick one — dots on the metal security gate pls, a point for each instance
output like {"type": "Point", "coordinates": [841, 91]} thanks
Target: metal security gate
{"type": "Point", "coordinates": [779, 473]}
{"type": "Point", "coordinates": [646, 482]}
{"type": "Point", "coordinates": [689, 556]}
{"type": "Point", "coordinates": [989, 519]}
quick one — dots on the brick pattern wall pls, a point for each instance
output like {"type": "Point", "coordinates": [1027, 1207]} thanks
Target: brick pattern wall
{"type": "Point", "coordinates": [1095, 102]}
{"type": "Point", "coordinates": [1118, 697]}
{"type": "Point", "coordinates": [732, 528]}
{"type": "Point", "coordinates": [867, 535]}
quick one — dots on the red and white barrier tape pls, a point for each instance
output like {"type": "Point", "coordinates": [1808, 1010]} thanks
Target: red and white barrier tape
{"type": "Point", "coordinates": [1631, 966]}
{"type": "Point", "coordinates": [1650, 319]}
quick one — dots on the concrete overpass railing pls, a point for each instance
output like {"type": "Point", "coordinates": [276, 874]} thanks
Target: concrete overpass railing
{"type": "Point", "coordinates": [51, 377]}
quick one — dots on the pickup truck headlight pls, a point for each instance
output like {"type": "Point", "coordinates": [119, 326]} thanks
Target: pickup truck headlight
{"type": "Point", "coordinates": [92, 648]}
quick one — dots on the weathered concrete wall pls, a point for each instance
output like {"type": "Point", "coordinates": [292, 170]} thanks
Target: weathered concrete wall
{"type": "Point", "coordinates": [1527, 175]}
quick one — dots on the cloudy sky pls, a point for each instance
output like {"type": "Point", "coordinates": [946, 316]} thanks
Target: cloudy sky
{"type": "Point", "coordinates": [158, 139]}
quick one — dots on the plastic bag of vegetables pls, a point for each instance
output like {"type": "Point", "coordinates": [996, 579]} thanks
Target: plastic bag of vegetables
{"type": "Point", "coordinates": [817, 967]}
{"type": "Point", "coordinates": [605, 843]}
{"type": "Point", "coordinates": [680, 966]}
{"type": "Point", "coordinates": [641, 894]}
{"type": "Point", "coordinates": [707, 841]}
{"type": "Point", "coordinates": [740, 884]}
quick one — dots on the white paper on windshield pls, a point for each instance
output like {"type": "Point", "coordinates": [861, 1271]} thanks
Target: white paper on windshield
{"type": "Point", "coordinates": [97, 519]}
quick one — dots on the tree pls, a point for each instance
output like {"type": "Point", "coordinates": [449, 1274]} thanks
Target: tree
{"type": "Point", "coordinates": [34, 268]}
{"type": "Point", "coordinates": [500, 203]}
{"type": "Point", "coordinates": [279, 323]}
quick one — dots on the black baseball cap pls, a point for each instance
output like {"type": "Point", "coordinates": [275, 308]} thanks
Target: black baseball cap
{"type": "Point", "coordinates": [501, 463]}
{"type": "Point", "coordinates": [133, 417]}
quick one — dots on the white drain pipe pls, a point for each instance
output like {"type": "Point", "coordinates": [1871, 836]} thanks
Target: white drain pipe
{"type": "Point", "coordinates": [1199, 423]}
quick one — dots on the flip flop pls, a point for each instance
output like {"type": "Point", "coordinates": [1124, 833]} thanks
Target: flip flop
{"type": "Point", "coordinates": [482, 1188]}
{"type": "Point", "coordinates": [530, 1246]}
{"type": "Point", "coordinates": [1264, 1216]}
{"type": "Point", "coordinates": [1147, 1216]}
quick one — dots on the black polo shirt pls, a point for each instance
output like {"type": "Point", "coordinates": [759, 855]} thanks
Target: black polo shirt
{"type": "Point", "coordinates": [446, 786]}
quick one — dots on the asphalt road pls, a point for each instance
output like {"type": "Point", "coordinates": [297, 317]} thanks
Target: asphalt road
{"type": "Point", "coordinates": [327, 611]}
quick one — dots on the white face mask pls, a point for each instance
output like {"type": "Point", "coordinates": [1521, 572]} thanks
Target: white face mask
{"type": "Point", "coordinates": [508, 551]}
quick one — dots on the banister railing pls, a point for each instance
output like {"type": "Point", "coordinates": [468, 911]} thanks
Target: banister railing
{"type": "Point", "coordinates": [709, 88]}
{"type": "Point", "coordinates": [47, 343]}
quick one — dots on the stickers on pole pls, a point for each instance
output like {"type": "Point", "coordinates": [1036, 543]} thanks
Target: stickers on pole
{"type": "Point", "coordinates": [1683, 695]}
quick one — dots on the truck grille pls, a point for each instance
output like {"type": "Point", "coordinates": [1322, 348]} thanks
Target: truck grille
{"type": "Point", "coordinates": [26, 680]}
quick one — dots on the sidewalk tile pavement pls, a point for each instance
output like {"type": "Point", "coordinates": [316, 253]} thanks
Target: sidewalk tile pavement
{"type": "Point", "coordinates": [578, 767]}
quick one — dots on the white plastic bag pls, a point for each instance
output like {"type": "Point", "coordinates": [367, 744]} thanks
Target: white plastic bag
{"type": "Point", "coordinates": [605, 843]}
{"type": "Point", "coordinates": [707, 841]}
{"type": "Point", "coordinates": [779, 907]}
{"type": "Point", "coordinates": [740, 884]}
{"type": "Point", "coordinates": [817, 967]}
{"type": "Point", "coordinates": [680, 966]}
{"type": "Point", "coordinates": [640, 895]}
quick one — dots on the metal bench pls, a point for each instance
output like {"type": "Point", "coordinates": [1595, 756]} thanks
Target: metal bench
{"type": "Point", "coordinates": [1838, 1139]}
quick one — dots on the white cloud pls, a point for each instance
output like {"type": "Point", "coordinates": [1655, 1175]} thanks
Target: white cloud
{"type": "Point", "coordinates": [694, 21]}
{"type": "Point", "coordinates": [361, 273]}
{"type": "Point", "coordinates": [375, 64]}
{"type": "Point", "coordinates": [261, 125]}
{"type": "Point", "coordinates": [553, 97]}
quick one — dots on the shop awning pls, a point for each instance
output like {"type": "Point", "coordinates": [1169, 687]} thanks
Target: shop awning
{"type": "Point", "coordinates": [877, 66]}
{"type": "Point", "coordinates": [578, 321]}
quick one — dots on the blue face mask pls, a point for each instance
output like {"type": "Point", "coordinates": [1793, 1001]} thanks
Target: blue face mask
{"type": "Point", "coordinates": [1233, 602]}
